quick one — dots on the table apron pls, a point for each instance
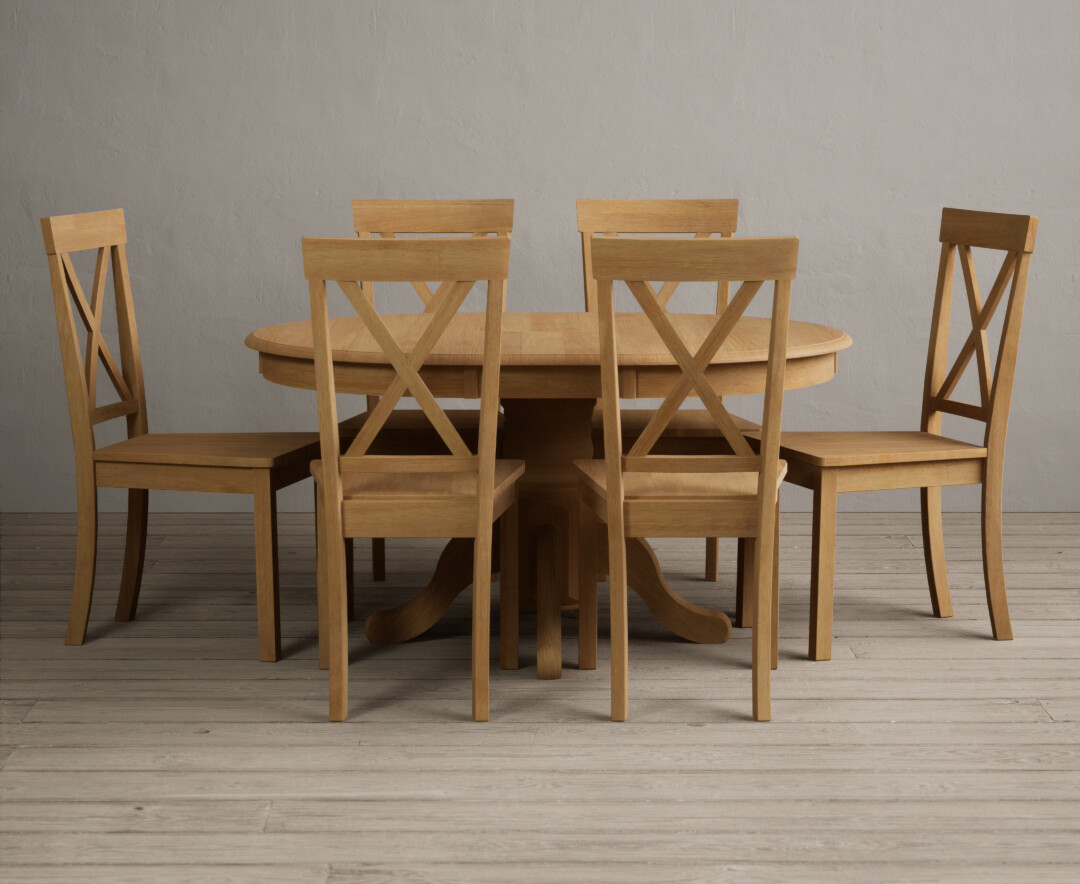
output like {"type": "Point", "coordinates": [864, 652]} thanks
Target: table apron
{"type": "Point", "coordinates": [548, 382]}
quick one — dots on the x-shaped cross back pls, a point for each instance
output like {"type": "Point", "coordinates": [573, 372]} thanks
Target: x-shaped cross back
{"type": "Point", "coordinates": [431, 299]}
{"type": "Point", "coordinates": [693, 366]}
{"type": "Point", "coordinates": [981, 315]}
{"type": "Point", "coordinates": [91, 316]}
{"type": "Point", "coordinates": [407, 365]}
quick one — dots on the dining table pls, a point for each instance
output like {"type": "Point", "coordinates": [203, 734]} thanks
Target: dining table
{"type": "Point", "coordinates": [549, 386]}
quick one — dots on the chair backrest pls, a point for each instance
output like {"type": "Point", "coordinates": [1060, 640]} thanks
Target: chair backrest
{"type": "Point", "coordinates": [389, 218]}
{"type": "Point", "coordinates": [753, 261]}
{"type": "Point", "coordinates": [458, 263]}
{"type": "Point", "coordinates": [702, 218]}
{"type": "Point", "coordinates": [105, 233]}
{"type": "Point", "coordinates": [961, 231]}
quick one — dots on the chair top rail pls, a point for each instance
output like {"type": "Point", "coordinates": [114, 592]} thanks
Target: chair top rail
{"type": "Point", "coordinates": [404, 260]}
{"type": "Point", "coordinates": [433, 216]}
{"type": "Point", "coordinates": [657, 216]}
{"type": "Point", "coordinates": [747, 258]}
{"type": "Point", "coordinates": [989, 230]}
{"type": "Point", "coordinates": [88, 230]}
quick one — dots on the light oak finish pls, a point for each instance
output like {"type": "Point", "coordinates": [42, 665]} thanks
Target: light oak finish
{"type": "Point", "coordinates": [455, 494]}
{"type": "Point", "coordinates": [642, 494]}
{"type": "Point", "coordinates": [549, 382]}
{"type": "Point", "coordinates": [239, 463]}
{"type": "Point", "coordinates": [831, 463]}
{"type": "Point", "coordinates": [407, 431]}
{"type": "Point", "coordinates": [690, 431]}
{"type": "Point", "coordinates": [176, 757]}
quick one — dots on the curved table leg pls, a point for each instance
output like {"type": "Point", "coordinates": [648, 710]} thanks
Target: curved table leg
{"type": "Point", "coordinates": [453, 574]}
{"type": "Point", "coordinates": [685, 619]}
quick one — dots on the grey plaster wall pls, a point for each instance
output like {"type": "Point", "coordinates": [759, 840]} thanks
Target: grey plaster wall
{"type": "Point", "coordinates": [227, 130]}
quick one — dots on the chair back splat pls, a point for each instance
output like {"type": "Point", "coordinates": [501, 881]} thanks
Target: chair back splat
{"type": "Point", "coordinates": [460, 263]}
{"type": "Point", "coordinates": [391, 218]}
{"type": "Point", "coordinates": [105, 233]}
{"type": "Point", "coordinates": [961, 231]}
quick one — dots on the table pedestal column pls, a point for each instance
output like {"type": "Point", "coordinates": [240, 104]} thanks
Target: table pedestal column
{"type": "Point", "coordinates": [549, 435]}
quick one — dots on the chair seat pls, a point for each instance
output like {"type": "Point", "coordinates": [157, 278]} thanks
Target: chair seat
{"type": "Point", "coordinates": [675, 486]}
{"type": "Point", "coordinates": [397, 485]}
{"type": "Point", "coordinates": [687, 423]}
{"type": "Point", "coordinates": [679, 504]}
{"type": "Point", "coordinates": [872, 447]}
{"type": "Point", "coordinates": [243, 450]}
{"type": "Point", "coordinates": [419, 504]}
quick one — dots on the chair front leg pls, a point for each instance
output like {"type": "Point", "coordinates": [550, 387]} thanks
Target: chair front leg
{"type": "Point", "coordinates": [481, 625]}
{"type": "Point", "coordinates": [266, 569]}
{"type": "Point", "coordinates": [934, 551]}
{"type": "Point", "coordinates": [993, 563]}
{"type": "Point", "coordinates": [337, 620]}
{"type": "Point", "coordinates": [762, 640]}
{"type": "Point", "coordinates": [85, 561]}
{"type": "Point", "coordinates": [620, 638]}
{"type": "Point", "coordinates": [134, 554]}
{"type": "Point", "coordinates": [822, 561]}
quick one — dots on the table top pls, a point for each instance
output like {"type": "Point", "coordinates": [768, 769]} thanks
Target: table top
{"type": "Point", "coordinates": [547, 339]}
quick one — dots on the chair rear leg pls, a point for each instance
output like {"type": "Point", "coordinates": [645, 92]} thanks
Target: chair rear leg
{"type": "Point", "coordinates": [822, 563]}
{"type": "Point", "coordinates": [508, 588]}
{"type": "Point", "coordinates": [85, 564]}
{"type": "Point", "coordinates": [321, 582]}
{"type": "Point", "coordinates": [712, 570]}
{"type": "Point", "coordinates": [378, 559]}
{"type": "Point", "coordinates": [744, 571]}
{"type": "Point", "coordinates": [776, 590]}
{"type": "Point", "coordinates": [350, 579]}
{"type": "Point", "coordinates": [587, 607]}
{"type": "Point", "coordinates": [934, 551]}
{"type": "Point", "coordinates": [993, 563]}
{"type": "Point", "coordinates": [266, 571]}
{"type": "Point", "coordinates": [134, 554]}
{"type": "Point", "coordinates": [481, 625]}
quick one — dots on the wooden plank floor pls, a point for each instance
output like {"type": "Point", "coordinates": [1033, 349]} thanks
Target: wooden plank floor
{"type": "Point", "coordinates": [163, 751]}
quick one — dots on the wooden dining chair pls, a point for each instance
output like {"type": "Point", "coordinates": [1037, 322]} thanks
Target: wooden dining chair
{"type": "Point", "coordinates": [833, 462]}
{"type": "Point", "coordinates": [691, 430]}
{"type": "Point", "coordinates": [458, 493]}
{"type": "Point", "coordinates": [245, 463]}
{"type": "Point", "coordinates": [408, 430]}
{"type": "Point", "coordinates": [645, 494]}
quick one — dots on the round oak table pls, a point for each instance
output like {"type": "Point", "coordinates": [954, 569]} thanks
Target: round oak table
{"type": "Point", "coordinates": [549, 384]}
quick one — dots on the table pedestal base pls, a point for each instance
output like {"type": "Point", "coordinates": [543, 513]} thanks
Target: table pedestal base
{"type": "Point", "coordinates": [549, 434]}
